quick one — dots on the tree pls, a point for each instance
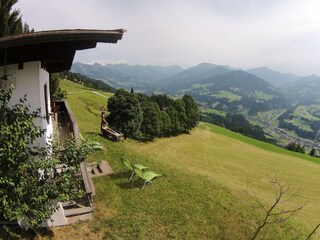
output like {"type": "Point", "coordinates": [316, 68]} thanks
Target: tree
{"type": "Point", "coordinates": [283, 206]}
{"type": "Point", "coordinates": [312, 152]}
{"type": "Point", "coordinates": [25, 191]}
{"type": "Point", "coordinates": [300, 148]}
{"type": "Point", "coordinates": [125, 113]}
{"type": "Point", "coordinates": [295, 147]}
{"type": "Point", "coordinates": [174, 119]}
{"type": "Point", "coordinates": [162, 100]}
{"type": "Point", "coordinates": [10, 20]}
{"type": "Point", "coordinates": [166, 126]}
{"type": "Point", "coordinates": [313, 231]}
{"type": "Point", "coordinates": [28, 180]}
{"type": "Point", "coordinates": [151, 122]}
{"type": "Point", "coordinates": [179, 106]}
{"type": "Point", "coordinates": [142, 117]}
{"type": "Point", "coordinates": [55, 91]}
{"type": "Point", "coordinates": [292, 146]}
{"type": "Point", "coordinates": [192, 111]}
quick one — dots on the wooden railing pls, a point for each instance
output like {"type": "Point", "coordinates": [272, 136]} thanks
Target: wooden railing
{"type": "Point", "coordinates": [72, 124]}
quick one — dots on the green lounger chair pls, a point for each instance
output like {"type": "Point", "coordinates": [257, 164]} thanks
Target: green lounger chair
{"type": "Point", "coordinates": [128, 167]}
{"type": "Point", "coordinates": [147, 176]}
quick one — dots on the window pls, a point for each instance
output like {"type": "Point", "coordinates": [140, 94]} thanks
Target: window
{"type": "Point", "coordinates": [46, 103]}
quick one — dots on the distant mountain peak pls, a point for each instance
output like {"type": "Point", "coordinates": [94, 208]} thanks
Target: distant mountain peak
{"type": "Point", "coordinates": [262, 68]}
{"type": "Point", "coordinates": [205, 64]}
{"type": "Point", "coordinates": [313, 76]}
{"type": "Point", "coordinates": [275, 78]}
{"type": "Point", "coordinates": [97, 64]}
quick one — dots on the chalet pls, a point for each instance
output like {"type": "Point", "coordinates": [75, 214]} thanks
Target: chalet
{"type": "Point", "coordinates": [26, 60]}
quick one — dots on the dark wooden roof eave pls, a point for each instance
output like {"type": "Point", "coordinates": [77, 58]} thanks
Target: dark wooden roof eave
{"type": "Point", "coordinates": [65, 35]}
{"type": "Point", "coordinates": [55, 49]}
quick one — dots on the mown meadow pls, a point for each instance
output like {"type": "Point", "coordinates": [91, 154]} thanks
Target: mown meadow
{"type": "Point", "coordinates": [202, 193]}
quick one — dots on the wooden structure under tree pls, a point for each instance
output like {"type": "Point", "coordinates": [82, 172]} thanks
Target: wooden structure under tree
{"type": "Point", "coordinates": [108, 131]}
{"type": "Point", "coordinates": [113, 134]}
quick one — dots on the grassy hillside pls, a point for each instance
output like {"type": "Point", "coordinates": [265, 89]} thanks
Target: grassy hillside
{"type": "Point", "coordinates": [237, 165]}
{"type": "Point", "coordinates": [201, 193]}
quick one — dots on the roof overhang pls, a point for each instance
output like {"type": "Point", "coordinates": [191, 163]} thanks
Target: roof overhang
{"type": "Point", "coordinates": [55, 49]}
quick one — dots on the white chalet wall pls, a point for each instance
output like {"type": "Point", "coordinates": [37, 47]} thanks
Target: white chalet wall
{"type": "Point", "coordinates": [30, 81]}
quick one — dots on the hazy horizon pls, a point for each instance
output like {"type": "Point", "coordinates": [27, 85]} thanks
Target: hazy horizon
{"type": "Point", "coordinates": [245, 34]}
{"type": "Point", "coordinates": [184, 68]}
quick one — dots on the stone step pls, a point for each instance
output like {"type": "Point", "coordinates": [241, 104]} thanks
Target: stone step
{"type": "Point", "coordinates": [77, 211]}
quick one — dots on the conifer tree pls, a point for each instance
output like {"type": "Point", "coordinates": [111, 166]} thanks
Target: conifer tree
{"type": "Point", "coordinates": [10, 19]}
{"type": "Point", "coordinates": [192, 111]}
{"type": "Point", "coordinates": [312, 152]}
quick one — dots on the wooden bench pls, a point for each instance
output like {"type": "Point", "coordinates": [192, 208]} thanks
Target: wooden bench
{"type": "Point", "coordinates": [115, 135]}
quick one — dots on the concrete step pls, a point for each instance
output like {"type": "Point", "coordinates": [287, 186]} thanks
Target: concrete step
{"type": "Point", "coordinates": [77, 211]}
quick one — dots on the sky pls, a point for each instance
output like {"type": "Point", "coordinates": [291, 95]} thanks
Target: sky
{"type": "Point", "coordinates": [283, 35]}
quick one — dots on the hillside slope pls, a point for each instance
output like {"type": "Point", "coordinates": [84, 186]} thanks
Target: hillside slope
{"type": "Point", "coordinates": [275, 78]}
{"type": "Point", "coordinates": [190, 76]}
{"type": "Point", "coordinates": [304, 118]}
{"type": "Point", "coordinates": [237, 91]}
{"type": "Point", "coordinates": [200, 195]}
{"type": "Point", "coordinates": [303, 89]}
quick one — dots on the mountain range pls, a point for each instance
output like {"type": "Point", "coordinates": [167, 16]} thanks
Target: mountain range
{"type": "Point", "coordinates": [139, 77]}
{"type": "Point", "coordinates": [275, 78]}
{"type": "Point", "coordinates": [253, 93]}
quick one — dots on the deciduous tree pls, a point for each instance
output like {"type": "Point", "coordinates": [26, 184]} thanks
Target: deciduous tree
{"type": "Point", "coordinates": [28, 180]}
{"type": "Point", "coordinates": [125, 113]}
{"type": "Point", "coordinates": [284, 205]}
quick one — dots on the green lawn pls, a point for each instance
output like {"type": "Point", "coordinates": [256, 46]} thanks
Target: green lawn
{"type": "Point", "coordinates": [214, 111]}
{"type": "Point", "coordinates": [304, 111]}
{"type": "Point", "coordinates": [260, 96]}
{"type": "Point", "coordinates": [85, 104]}
{"type": "Point", "coordinates": [201, 194]}
{"type": "Point", "coordinates": [237, 164]}
{"type": "Point", "coordinates": [229, 95]}
{"type": "Point", "coordinates": [299, 123]}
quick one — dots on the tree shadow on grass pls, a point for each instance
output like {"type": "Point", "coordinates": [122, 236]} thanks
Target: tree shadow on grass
{"type": "Point", "coordinates": [45, 232]}
{"type": "Point", "coordinates": [126, 184]}
{"type": "Point", "coordinates": [119, 175]}
{"type": "Point", "coordinates": [99, 134]}
{"type": "Point", "coordinates": [15, 232]}
{"type": "Point", "coordinates": [105, 136]}
{"type": "Point", "coordinates": [131, 185]}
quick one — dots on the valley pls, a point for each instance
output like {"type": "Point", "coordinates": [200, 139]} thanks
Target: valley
{"type": "Point", "coordinates": [285, 106]}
